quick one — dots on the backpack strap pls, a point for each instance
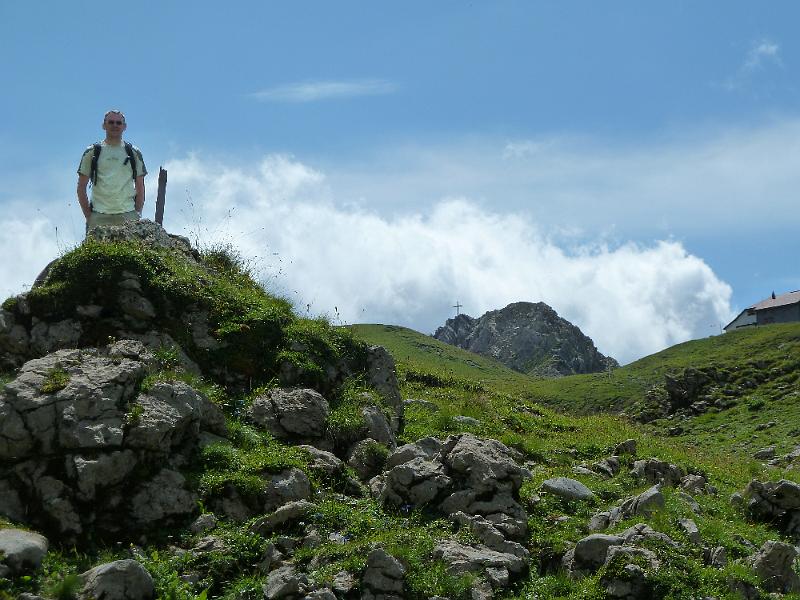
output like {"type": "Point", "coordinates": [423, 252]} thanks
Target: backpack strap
{"type": "Point", "coordinates": [95, 155]}
{"type": "Point", "coordinates": [129, 152]}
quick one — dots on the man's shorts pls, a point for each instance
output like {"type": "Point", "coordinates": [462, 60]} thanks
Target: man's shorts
{"type": "Point", "coordinates": [97, 219]}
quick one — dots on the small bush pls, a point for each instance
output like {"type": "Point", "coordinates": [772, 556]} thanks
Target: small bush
{"type": "Point", "coordinates": [55, 379]}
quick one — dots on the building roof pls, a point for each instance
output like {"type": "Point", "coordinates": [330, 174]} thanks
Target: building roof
{"type": "Point", "coordinates": [771, 302]}
{"type": "Point", "coordinates": [775, 301]}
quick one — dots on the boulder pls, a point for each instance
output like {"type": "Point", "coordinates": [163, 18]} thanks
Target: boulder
{"type": "Point", "coordinates": [383, 577]}
{"type": "Point", "coordinates": [774, 565]}
{"type": "Point", "coordinates": [291, 413]}
{"type": "Point", "coordinates": [566, 488]}
{"type": "Point", "coordinates": [22, 551]}
{"type": "Point", "coordinates": [284, 582]}
{"type": "Point", "coordinates": [657, 471]}
{"type": "Point", "coordinates": [645, 504]}
{"type": "Point", "coordinates": [775, 501]}
{"type": "Point", "coordinates": [478, 559]}
{"type": "Point", "coordinates": [367, 458]}
{"type": "Point", "coordinates": [287, 486]}
{"type": "Point", "coordinates": [286, 514]}
{"type": "Point", "coordinates": [463, 473]}
{"type": "Point", "coordinates": [589, 554]}
{"type": "Point", "coordinates": [118, 580]}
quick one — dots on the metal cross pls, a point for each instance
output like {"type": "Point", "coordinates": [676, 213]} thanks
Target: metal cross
{"type": "Point", "coordinates": [457, 306]}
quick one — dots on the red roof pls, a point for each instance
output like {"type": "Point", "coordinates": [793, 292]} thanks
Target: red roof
{"type": "Point", "coordinates": [782, 300]}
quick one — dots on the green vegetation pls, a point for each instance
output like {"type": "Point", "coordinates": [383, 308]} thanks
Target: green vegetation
{"type": "Point", "coordinates": [253, 332]}
{"type": "Point", "coordinates": [55, 379]}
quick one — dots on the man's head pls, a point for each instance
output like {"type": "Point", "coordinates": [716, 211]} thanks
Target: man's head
{"type": "Point", "coordinates": [114, 125]}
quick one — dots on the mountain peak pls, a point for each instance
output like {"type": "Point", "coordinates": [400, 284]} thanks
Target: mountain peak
{"type": "Point", "coordinates": [528, 337]}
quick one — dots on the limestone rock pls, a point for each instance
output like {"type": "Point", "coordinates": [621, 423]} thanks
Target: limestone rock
{"type": "Point", "coordinates": [324, 461]}
{"type": "Point", "coordinates": [775, 502]}
{"type": "Point", "coordinates": [367, 458]}
{"type": "Point", "coordinates": [657, 471]}
{"type": "Point", "coordinates": [462, 473]}
{"type": "Point", "coordinates": [644, 504]}
{"type": "Point", "coordinates": [118, 580]}
{"type": "Point", "coordinates": [164, 496]}
{"type": "Point", "coordinates": [477, 559]}
{"type": "Point", "coordinates": [286, 514]}
{"type": "Point", "coordinates": [774, 565]}
{"type": "Point", "coordinates": [383, 576]}
{"type": "Point", "coordinates": [287, 486]}
{"type": "Point", "coordinates": [569, 489]}
{"type": "Point", "coordinates": [22, 551]}
{"type": "Point", "coordinates": [284, 582]}
{"type": "Point", "coordinates": [291, 413]}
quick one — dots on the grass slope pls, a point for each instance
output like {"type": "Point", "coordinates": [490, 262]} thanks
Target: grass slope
{"type": "Point", "coordinates": [454, 384]}
{"type": "Point", "coordinates": [762, 366]}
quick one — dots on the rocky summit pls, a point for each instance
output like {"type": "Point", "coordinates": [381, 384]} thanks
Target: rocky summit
{"type": "Point", "coordinates": [529, 338]}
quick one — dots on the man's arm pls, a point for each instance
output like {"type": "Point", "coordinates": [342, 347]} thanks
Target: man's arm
{"type": "Point", "coordinates": [83, 197]}
{"type": "Point", "coordinates": [138, 203]}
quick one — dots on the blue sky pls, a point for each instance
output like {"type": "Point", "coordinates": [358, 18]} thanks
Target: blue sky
{"type": "Point", "coordinates": [633, 164]}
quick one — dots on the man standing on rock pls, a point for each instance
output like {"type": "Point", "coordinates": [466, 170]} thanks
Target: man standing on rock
{"type": "Point", "coordinates": [116, 170]}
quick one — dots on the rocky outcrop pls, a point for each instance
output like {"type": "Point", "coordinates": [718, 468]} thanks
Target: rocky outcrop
{"type": "Point", "coordinates": [462, 473]}
{"type": "Point", "coordinates": [530, 338]}
{"type": "Point", "coordinates": [775, 502]}
{"type": "Point", "coordinates": [77, 435]}
{"type": "Point", "coordinates": [774, 565]}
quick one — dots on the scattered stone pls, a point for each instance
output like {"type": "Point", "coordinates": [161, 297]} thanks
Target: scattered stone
{"type": "Point", "coordinates": [203, 523]}
{"type": "Point", "coordinates": [689, 527]}
{"type": "Point", "coordinates": [466, 421]}
{"type": "Point", "coordinates": [765, 453]}
{"type": "Point", "coordinates": [626, 447]}
{"type": "Point", "coordinates": [344, 583]}
{"type": "Point", "coordinates": [567, 488]}
{"type": "Point", "coordinates": [291, 413]}
{"type": "Point", "coordinates": [287, 514]}
{"type": "Point", "coordinates": [426, 404]}
{"type": "Point", "coordinates": [287, 486]}
{"type": "Point", "coordinates": [608, 467]}
{"type": "Point", "coordinates": [383, 576]}
{"type": "Point", "coordinates": [367, 458]}
{"type": "Point", "coordinates": [284, 582]}
{"type": "Point", "coordinates": [775, 502]}
{"type": "Point", "coordinates": [693, 504]}
{"type": "Point", "coordinates": [324, 461]}
{"type": "Point", "coordinates": [774, 565]}
{"type": "Point", "coordinates": [717, 557]}
{"type": "Point", "coordinates": [657, 471]}
{"type": "Point", "coordinates": [476, 559]}
{"type": "Point", "coordinates": [119, 580]}
{"type": "Point", "coordinates": [645, 504]}
{"type": "Point", "coordinates": [589, 553]}
{"type": "Point", "coordinates": [22, 551]}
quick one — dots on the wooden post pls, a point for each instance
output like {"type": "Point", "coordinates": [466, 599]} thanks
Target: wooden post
{"type": "Point", "coordinates": [162, 195]}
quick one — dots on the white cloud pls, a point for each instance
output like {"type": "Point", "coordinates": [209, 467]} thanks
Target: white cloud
{"type": "Point", "coordinates": [410, 269]}
{"type": "Point", "coordinates": [312, 91]}
{"type": "Point", "coordinates": [762, 53]}
{"type": "Point", "coordinates": [400, 236]}
{"type": "Point", "coordinates": [27, 246]}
